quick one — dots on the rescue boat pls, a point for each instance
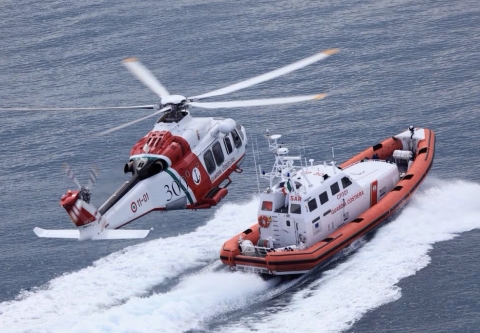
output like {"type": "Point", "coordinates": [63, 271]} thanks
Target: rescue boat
{"type": "Point", "coordinates": [315, 210]}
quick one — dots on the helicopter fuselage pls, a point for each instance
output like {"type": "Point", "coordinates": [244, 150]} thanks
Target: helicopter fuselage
{"type": "Point", "coordinates": [178, 165]}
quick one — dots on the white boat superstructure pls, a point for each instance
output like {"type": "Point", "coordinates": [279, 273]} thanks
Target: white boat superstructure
{"type": "Point", "coordinates": [312, 200]}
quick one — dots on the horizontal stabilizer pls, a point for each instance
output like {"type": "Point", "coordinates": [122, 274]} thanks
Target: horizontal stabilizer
{"type": "Point", "coordinates": [56, 233]}
{"type": "Point", "coordinates": [105, 234]}
{"type": "Point", "coordinates": [121, 234]}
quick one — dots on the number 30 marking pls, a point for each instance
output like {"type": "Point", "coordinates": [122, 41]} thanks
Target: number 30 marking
{"type": "Point", "coordinates": [176, 188]}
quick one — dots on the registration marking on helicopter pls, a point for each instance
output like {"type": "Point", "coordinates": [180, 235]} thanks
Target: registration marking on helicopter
{"type": "Point", "coordinates": [142, 199]}
{"type": "Point", "coordinates": [185, 190]}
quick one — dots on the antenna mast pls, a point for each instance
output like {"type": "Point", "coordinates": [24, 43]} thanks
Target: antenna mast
{"type": "Point", "coordinates": [283, 166]}
{"type": "Point", "coordinates": [333, 161]}
{"type": "Point", "coordinates": [255, 150]}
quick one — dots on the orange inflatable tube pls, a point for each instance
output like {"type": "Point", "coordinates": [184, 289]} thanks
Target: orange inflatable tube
{"type": "Point", "coordinates": [299, 261]}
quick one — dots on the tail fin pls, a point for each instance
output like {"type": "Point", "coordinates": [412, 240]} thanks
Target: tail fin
{"type": "Point", "coordinates": [77, 205]}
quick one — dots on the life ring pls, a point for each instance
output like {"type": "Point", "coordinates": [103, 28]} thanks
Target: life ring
{"type": "Point", "coordinates": [263, 221]}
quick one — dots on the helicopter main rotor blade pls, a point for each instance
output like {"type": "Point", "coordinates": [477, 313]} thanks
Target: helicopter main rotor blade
{"type": "Point", "coordinates": [257, 102]}
{"type": "Point", "coordinates": [145, 76]}
{"type": "Point", "coordinates": [132, 122]}
{"type": "Point", "coordinates": [268, 76]}
{"type": "Point", "coordinates": [95, 108]}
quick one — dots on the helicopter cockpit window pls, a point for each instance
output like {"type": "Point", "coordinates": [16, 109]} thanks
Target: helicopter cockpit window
{"type": "Point", "coordinates": [239, 129]}
{"type": "Point", "coordinates": [218, 153]}
{"type": "Point", "coordinates": [209, 162]}
{"type": "Point", "coordinates": [228, 144]}
{"type": "Point", "coordinates": [236, 139]}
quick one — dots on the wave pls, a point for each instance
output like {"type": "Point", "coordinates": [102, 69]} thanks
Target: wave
{"type": "Point", "coordinates": [115, 293]}
{"type": "Point", "coordinates": [115, 280]}
{"type": "Point", "coordinates": [368, 279]}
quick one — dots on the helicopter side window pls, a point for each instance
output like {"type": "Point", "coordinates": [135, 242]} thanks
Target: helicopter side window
{"type": "Point", "coordinates": [236, 139]}
{"type": "Point", "coordinates": [218, 153]}
{"type": "Point", "coordinates": [228, 144]}
{"type": "Point", "coordinates": [209, 163]}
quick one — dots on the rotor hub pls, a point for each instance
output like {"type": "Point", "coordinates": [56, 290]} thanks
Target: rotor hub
{"type": "Point", "coordinates": [173, 99]}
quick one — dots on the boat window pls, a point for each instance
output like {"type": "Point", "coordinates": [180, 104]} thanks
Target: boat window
{"type": "Point", "coordinates": [295, 209]}
{"type": "Point", "coordinates": [323, 197]}
{"type": "Point", "coordinates": [236, 139]}
{"type": "Point", "coordinates": [228, 144]}
{"type": "Point", "coordinates": [288, 223]}
{"type": "Point", "coordinates": [209, 162]}
{"type": "Point", "coordinates": [346, 182]}
{"type": "Point", "coordinates": [267, 205]}
{"type": "Point", "coordinates": [335, 188]}
{"type": "Point", "coordinates": [312, 204]}
{"type": "Point", "coordinates": [218, 153]}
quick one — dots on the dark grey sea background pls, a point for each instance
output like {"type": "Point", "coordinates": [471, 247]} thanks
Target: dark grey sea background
{"type": "Point", "coordinates": [401, 63]}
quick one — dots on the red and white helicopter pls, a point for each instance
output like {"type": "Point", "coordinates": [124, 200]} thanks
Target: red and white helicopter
{"type": "Point", "coordinates": [180, 164]}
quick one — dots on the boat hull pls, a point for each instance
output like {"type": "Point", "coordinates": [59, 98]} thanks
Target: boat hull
{"type": "Point", "coordinates": [302, 261]}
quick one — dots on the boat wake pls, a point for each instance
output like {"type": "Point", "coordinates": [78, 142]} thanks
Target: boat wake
{"type": "Point", "coordinates": [112, 284]}
{"type": "Point", "coordinates": [118, 293]}
{"type": "Point", "coordinates": [368, 279]}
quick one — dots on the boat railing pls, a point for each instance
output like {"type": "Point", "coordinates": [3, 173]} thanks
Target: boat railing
{"type": "Point", "coordinates": [261, 252]}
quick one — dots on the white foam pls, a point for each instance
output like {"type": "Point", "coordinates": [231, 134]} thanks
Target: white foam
{"type": "Point", "coordinates": [195, 299]}
{"type": "Point", "coordinates": [116, 278]}
{"type": "Point", "coordinates": [109, 299]}
{"type": "Point", "coordinates": [369, 277]}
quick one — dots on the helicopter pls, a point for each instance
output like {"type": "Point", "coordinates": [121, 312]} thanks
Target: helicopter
{"type": "Point", "coordinates": [184, 162]}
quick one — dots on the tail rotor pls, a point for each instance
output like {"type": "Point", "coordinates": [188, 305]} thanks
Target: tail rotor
{"type": "Point", "coordinates": [71, 175]}
{"type": "Point", "coordinates": [94, 174]}
{"type": "Point", "coordinates": [83, 191]}
{"type": "Point", "coordinates": [91, 225]}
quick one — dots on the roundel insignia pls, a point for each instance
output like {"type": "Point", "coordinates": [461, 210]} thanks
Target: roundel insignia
{"type": "Point", "coordinates": [133, 206]}
{"type": "Point", "coordinates": [196, 176]}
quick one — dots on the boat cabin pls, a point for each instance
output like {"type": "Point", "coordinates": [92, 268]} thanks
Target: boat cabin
{"type": "Point", "coordinates": [312, 201]}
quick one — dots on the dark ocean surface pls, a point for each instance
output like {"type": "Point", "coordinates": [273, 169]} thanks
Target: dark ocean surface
{"type": "Point", "coordinates": [401, 63]}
